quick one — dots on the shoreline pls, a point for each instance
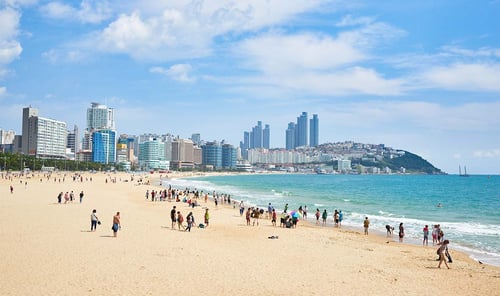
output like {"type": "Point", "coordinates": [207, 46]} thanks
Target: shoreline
{"type": "Point", "coordinates": [52, 243]}
{"type": "Point", "coordinates": [473, 254]}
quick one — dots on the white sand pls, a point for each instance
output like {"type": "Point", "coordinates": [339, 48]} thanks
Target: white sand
{"type": "Point", "coordinates": [48, 249]}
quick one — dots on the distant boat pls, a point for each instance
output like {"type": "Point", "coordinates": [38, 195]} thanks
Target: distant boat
{"type": "Point", "coordinates": [460, 171]}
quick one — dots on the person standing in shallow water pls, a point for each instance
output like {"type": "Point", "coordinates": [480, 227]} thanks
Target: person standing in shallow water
{"type": "Point", "coordinates": [366, 224]}
{"type": "Point", "coordinates": [425, 241]}
{"type": "Point", "coordinates": [401, 232]}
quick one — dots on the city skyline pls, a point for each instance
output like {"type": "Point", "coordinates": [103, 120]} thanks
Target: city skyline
{"type": "Point", "coordinates": [403, 74]}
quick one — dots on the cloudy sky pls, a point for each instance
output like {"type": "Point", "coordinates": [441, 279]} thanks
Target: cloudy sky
{"type": "Point", "coordinates": [422, 76]}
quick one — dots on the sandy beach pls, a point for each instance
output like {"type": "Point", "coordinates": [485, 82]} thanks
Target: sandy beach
{"type": "Point", "coordinates": [47, 249]}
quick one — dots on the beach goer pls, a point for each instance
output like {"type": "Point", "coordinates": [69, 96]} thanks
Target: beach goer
{"type": "Point", "coordinates": [59, 197]}
{"type": "Point", "coordinates": [286, 208]}
{"type": "Point", "coordinates": [256, 214]}
{"type": "Point", "coordinates": [366, 224]}
{"type": "Point", "coordinates": [66, 197]}
{"type": "Point", "coordinates": [81, 196]}
{"type": "Point", "coordinates": [269, 210]}
{"type": "Point", "coordinates": [389, 229]}
{"type": "Point", "coordinates": [180, 219]}
{"type": "Point", "coordinates": [172, 216]}
{"type": "Point", "coordinates": [305, 213]}
{"type": "Point", "coordinates": [325, 214]}
{"type": "Point", "coordinates": [71, 196]}
{"type": "Point", "coordinates": [401, 232]}
{"type": "Point", "coordinates": [242, 208]}
{"type": "Point", "coordinates": [336, 218]}
{"type": "Point", "coordinates": [441, 252]}
{"type": "Point", "coordinates": [93, 220]}
{"type": "Point", "coordinates": [189, 220]}
{"type": "Point", "coordinates": [11, 189]}
{"type": "Point", "coordinates": [247, 216]}
{"type": "Point", "coordinates": [341, 217]}
{"type": "Point", "coordinates": [273, 217]}
{"type": "Point", "coordinates": [318, 214]}
{"type": "Point", "coordinates": [116, 224]}
{"type": "Point", "coordinates": [425, 241]}
{"type": "Point", "coordinates": [207, 217]}
{"type": "Point", "coordinates": [434, 235]}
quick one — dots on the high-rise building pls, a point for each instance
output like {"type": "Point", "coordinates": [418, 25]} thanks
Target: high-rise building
{"type": "Point", "coordinates": [100, 117]}
{"type": "Point", "coordinates": [73, 142]}
{"type": "Point", "coordinates": [229, 157]}
{"type": "Point", "coordinates": [182, 154]}
{"type": "Point", "coordinates": [301, 130]}
{"type": "Point", "coordinates": [290, 136]}
{"type": "Point", "coordinates": [26, 143]}
{"type": "Point", "coordinates": [7, 137]}
{"type": "Point", "coordinates": [152, 154]}
{"type": "Point", "coordinates": [257, 135]}
{"type": "Point", "coordinates": [266, 137]}
{"type": "Point", "coordinates": [43, 137]}
{"type": "Point", "coordinates": [196, 138]}
{"type": "Point", "coordinates": [103, 146]}
{"type": "Point", "coordinates": [212, 155]}
{"type": "Point", "coordinates": [314, 131]}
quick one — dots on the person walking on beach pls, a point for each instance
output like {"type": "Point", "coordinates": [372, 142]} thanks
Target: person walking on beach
{"type": "Point", "coordinates": [425, 241]}
{"type": "Point", "coordinates": [189, 220]}
{"type": "Point", "coordinates": [441, 252]}
{"type": "Point", "coordinates": [11, 189]}
{"type": "Point", "coordinates": [242, 208]}
{"type": "Point", "coordinates": [366, 224]}
{"type": "Point", "coordinates": [116, 224]}
{"type": "Point", "coordinates": [59, 197]}
{"type": "Point", "coordinates": [325, 214]}
{"type": "Point", "coordinates": [81, 196]}
{"type": "Point", "coordinates": [434, 235]}
{"type": "Point", "coordinates": [401, 232]}
{"type": "Point", "coordinates": [273, 217]}
{"type": "Point", "coordinates": [172, 216]}
{"type": "Point", "coordinates": [318, 214]}
{"type": "Point", "coordinates": [180, 219]}
{"type": "Point", "coordinates": [93, 220]}
{"type": "Point", "coordinates": [207, 217]}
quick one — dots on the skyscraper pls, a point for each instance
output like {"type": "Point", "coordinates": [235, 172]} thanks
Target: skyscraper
{"type": "Point", "coordinates": [43, 137]}
{"type": "Point", "coordinates": [290, 136]}
{"type": "Point", "coordinates": [100, 117]}
{"type": "Point", "coordinates": [103, 146]}
{"type": "Point", "coordinates": [266, 136]}
{"type": "Point", "coordinates": [257, 135]}
{"type": "Point", "coordinates": [314, 131]}
{"type": "Point", "coordinates": [301, 130]}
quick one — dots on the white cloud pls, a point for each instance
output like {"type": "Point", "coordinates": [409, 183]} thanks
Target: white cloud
{"type": "Point", "coordinates": [18, 3]}
{"type": "Point", "coordinates": [10, 48]}
{"type": "Point", "coordinates": [349, 20]}
{"type": "Point", "coordinates": [3, 91]}
{"type": "Point", "coordinates": [166, 31]}
{"type": "Point", "coordinates": [275, 53]}
{"type": "Point", "coordinates": [465, 77]}
{"type": "Point", "coordinates": [494, 153]}
{"type": "Point", "coordinates": [92, 12]}
{"type": "Point", "coordinates": [178, 72]}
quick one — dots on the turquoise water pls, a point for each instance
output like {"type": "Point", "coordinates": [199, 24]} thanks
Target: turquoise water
{"type": "Point", "coordinates": [469, 213]}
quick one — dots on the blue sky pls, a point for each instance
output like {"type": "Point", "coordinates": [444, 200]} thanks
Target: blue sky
{"type": "Point", "coordinates": [422, 76]}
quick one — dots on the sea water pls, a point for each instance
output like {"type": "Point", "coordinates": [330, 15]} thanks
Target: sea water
{"type": "Point", "coordinates": [467, 208]}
